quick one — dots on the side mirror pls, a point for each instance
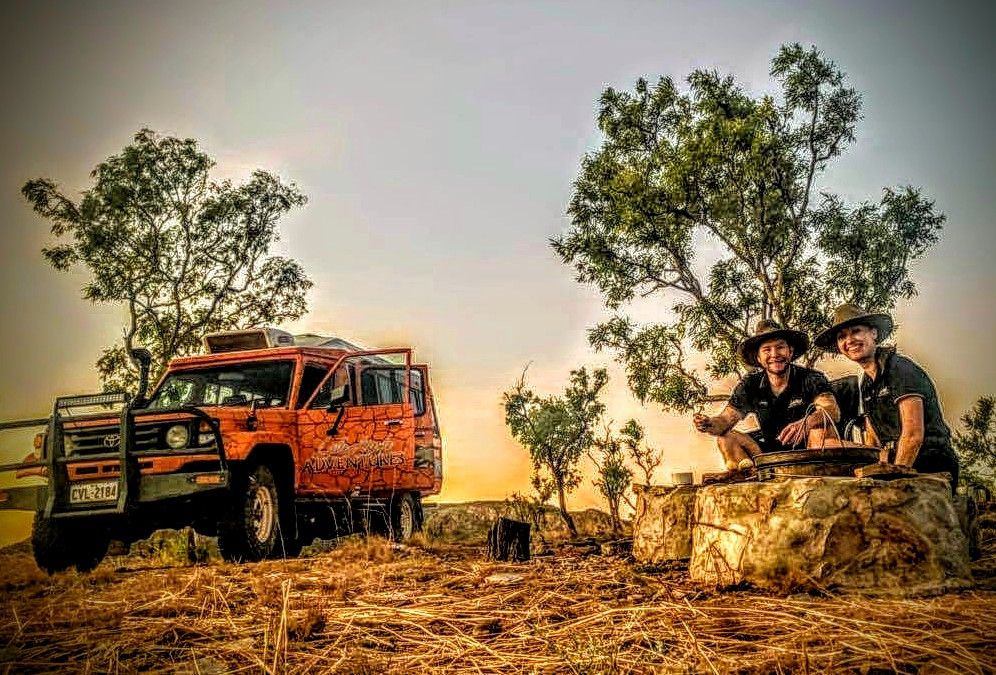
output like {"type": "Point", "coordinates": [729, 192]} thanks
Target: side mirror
{"type": "Point", "coordinates": [252, 422]}
{"type": "Point", "coordinates": [340, 396]}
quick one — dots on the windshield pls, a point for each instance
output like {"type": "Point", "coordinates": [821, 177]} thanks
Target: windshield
{"type": "Point", "coordinates": [266, 382]}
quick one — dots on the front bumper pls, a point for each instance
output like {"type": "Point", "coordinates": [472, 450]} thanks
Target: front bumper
{"type": "Point", "coordinates": [152, 490]}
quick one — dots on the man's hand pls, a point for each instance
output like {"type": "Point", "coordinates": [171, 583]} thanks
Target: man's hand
{"type": "Point", "coordinates": [793, 433]}
{"type": "Point", "coordinates": [718, 425]}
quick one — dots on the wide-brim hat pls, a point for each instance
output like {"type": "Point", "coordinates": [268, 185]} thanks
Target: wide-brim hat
{"type": "Point", "coordinates": [768, 329]}
{"type": "Point", "coordinates": [852, 315]}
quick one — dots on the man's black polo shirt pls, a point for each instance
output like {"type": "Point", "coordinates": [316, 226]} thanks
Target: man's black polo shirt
{"type": "Point", "coordinates": [753, 395]}
{"type": "Point", "coordinates": [899, 377]}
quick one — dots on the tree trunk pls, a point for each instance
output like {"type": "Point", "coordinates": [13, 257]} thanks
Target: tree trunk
{"type": "Point", "coordinates": [508, 539]}
{"type": "Point", "coordinates": [616, 521]}
{"type": "Point", "coordinates": [568, 520]}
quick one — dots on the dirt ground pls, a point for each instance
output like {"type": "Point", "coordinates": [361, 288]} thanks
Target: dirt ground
{"type": "Point", "coordinates": [369, 606]}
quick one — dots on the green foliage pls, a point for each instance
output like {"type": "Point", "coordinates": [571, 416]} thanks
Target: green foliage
{"type": "Point", "coordinates": [713, 165]}
{"type": "Point", "coordinates": [976, 445]}
{"type": "Point", "coordinates": [644, 456]}
{"type": "Point", "coordinates": [557, 430]}
{"type": "Point", "coordinates": [184, 254]}
{"type": "Point", "coordinates": [614, 477]}
{"type": "Point", "coordinates": [531, 508]}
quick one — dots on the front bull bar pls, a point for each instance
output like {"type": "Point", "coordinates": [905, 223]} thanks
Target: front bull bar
{"type": "Point", "coordinates": [53, 498]}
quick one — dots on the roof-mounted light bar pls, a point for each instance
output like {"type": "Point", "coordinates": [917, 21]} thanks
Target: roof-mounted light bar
{"type": "Point", "coordinates": [93, 399]}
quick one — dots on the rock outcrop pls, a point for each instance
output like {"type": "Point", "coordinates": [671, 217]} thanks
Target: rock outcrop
{"type": "Point", "coordinates": [900, 537]}
{"type": "Point", "coordinates": [662, 526]}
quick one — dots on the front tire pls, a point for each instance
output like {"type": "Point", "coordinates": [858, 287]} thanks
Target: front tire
{"type": "Point", "coordinates": [57, 547]}
{"type": "Point", "coordinates": [287, 546]}
{"type": "Point", "coordinates": [290, 539]}
{"type": "Point", "coordinates": [252, 527]}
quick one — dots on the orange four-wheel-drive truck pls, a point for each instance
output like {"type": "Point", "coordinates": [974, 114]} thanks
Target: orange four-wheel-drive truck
{"type": "Point", "coordinates": [266, 442]}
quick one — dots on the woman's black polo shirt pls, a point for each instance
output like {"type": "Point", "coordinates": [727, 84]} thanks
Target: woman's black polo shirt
{"type": "Point", "coordinates": [753, 395]}
{"type": "Point", "coordinates": [899, 377]}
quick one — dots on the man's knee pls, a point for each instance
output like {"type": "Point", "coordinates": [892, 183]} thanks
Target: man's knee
{"type": "Point", "coordinates": [739, 444]}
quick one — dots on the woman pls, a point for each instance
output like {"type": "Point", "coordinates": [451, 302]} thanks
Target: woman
{"type": "Point", "coordinates": [898, 399]}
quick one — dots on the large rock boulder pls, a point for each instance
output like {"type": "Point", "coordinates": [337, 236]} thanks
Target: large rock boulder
{"type": "Point", "coordinates": [900, 537]}
{"type": "Point", "coordinates": [662, 526]}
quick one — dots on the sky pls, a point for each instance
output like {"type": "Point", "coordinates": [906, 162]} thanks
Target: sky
{"type": "Point", "coordinates": [437, 143]}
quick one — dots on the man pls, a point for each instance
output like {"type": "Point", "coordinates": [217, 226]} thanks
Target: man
{"type": "Point", "coordinates": [897, 398]}
{"type": "Point", "coordinates": [779, 394]}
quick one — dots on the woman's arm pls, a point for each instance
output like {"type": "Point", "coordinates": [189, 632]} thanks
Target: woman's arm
{"type": "Point", "coordinates": [910, 430]}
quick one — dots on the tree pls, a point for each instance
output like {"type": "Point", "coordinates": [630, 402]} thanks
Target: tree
{"type": "Point", "coordinates": [713, 165]}
{"type": "Point", "coordinates": [976, 445]}
{"type": "Point", "coordinates": [184, 254]}
{"type": "Point", "coordinates": [644, 456]}
{"type": "Point", "coordinates": [614, 477]}
{"type": "Point", "coordinates": [532, 508]}
{"type": "Point", "coordinates": [557, 430]}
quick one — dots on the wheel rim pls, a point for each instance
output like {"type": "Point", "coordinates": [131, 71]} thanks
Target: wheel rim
{"type": "Point", "coordinates": [406, 519]}
{"type": "Point", "coordinates": [261, 510]}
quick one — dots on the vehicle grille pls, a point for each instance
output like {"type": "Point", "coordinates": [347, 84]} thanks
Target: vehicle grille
{"type": "Point", "coordinates": [108, 439]}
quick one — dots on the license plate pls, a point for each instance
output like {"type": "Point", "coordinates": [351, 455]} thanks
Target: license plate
{"type": "Point", "coordinates": [82, 493]}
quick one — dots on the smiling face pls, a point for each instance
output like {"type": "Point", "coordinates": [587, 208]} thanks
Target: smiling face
{"type": "Point", "coordinates": [857, 342]}
{"type": "Point", "coordinates": [774, 356]}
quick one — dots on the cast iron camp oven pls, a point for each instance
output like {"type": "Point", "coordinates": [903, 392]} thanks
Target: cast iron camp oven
{"type": "Point", "coordinates": [807, 462]}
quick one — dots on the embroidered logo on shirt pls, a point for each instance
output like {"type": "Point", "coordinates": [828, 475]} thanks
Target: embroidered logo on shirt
{"type": "Point", "coordinates": [883, 392]}
{"type": "Point", "coordinates": [794, 402]}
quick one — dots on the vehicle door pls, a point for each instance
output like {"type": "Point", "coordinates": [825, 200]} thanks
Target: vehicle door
{"type": "Point", "coordinates": [356, 433]}
{"type": "Point", "coordinates": [428, 442]}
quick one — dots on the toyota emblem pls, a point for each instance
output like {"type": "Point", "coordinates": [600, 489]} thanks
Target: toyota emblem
{"type": "Point", "coordinates": [112, 440]}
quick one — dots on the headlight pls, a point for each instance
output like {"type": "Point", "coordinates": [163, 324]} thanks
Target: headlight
{"type": "Point", "coordinates": [177, 436]}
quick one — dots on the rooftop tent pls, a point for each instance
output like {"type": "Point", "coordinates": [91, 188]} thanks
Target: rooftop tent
{"type": "Point", "coordinates": [246, 339]}
{"type": "Point", "coordinates": [310, 340]}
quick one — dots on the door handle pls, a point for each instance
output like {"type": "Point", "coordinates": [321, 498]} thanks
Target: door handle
{"type": "Point", "coordinates": [392, 423]}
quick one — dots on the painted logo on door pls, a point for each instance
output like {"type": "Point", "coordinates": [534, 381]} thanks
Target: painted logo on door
{"type": "Point", "coordinates": [340, 457]}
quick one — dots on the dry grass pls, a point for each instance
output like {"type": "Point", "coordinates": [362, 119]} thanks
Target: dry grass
{"type": "Point", "coordinates": [369, 606]}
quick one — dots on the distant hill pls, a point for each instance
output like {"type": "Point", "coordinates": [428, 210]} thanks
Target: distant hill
{"type": "Point", "coordinates": [451, 523]}
{"type": "Point", "coordinates": [468, 522]}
